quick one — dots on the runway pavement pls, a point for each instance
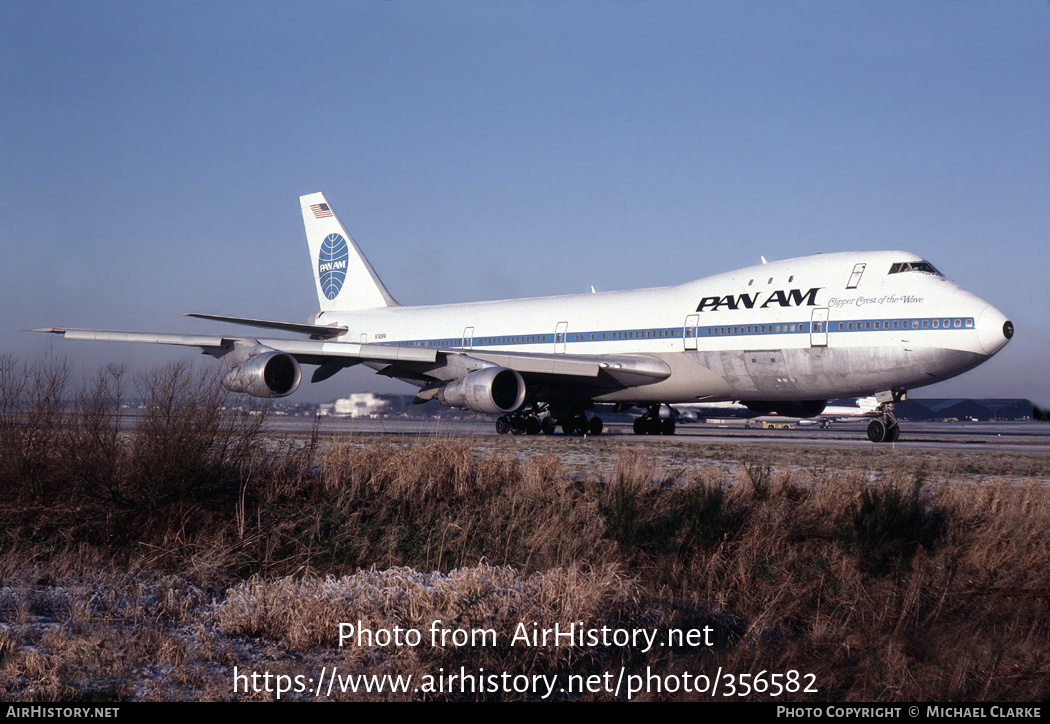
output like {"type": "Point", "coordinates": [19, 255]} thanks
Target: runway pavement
{"type": "Point", "coordinates": [999, 437]}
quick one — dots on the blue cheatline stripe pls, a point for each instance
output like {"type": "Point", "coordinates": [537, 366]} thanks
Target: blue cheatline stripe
{"type": "Point", "coordinates": [881, 324]}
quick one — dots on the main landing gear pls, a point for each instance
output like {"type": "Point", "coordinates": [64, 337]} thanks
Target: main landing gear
{"type": "Point", "coordinates": [885, 427]}
{"type": "Point", "coordinates": [578, 424]}
{"type": "Point", "coordinates": [538, 420]}
{"type": "Point", "coordinates": [657, 420]}
{"type": "Point", "coordinates": [526, 422]}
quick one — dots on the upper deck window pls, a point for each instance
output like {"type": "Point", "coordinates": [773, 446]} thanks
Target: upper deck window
{"type": "Point", "coordinates": [920, 266]}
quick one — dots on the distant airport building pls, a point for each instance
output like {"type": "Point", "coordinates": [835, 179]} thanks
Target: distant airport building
{"type": "Point", "coordinates": [359, 404]}
{"type": "Point", "coordinates": [963, 409]}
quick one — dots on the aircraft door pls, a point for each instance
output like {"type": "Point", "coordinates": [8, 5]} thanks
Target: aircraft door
{"type": "Point", "coordinates": [468, 337]}
{"type": "Point", "coordinates": [854, 278]}
{"type": "Point", "coordinates": [689, 331]}
{"type": "Point", "coordinates": [818, 331]}
{"type": "Point", "coordinates": [559, 337]}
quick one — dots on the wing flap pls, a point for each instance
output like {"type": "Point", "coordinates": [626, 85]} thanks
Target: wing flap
{"type": "Point", "coordinates": [365, 352]}
{"type": "Point", "coordinates": [625, 370]}
{"type": "Point", "coordinates": [539, 364]}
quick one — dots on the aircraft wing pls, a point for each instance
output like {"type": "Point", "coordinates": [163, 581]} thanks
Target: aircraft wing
{"type": "Point", "coordinates": [305, 351]}
{"type": "Point", "coordinates": [407, 362]}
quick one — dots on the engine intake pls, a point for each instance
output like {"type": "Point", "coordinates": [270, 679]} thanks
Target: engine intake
{"type": "Point", "coordinates": [803, 408]}
{"type": "Point", "coordinates": [268, 374]}
{"type": "Point", "coordinates": [493, 390]}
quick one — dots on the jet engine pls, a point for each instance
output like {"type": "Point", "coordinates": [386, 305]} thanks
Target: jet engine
{"type": "Point", "coordinates": [493, 390]}
{"type": "Point", "coordinates": [267, 374]}
{"type": "Point", "coordinates": [804, 408]}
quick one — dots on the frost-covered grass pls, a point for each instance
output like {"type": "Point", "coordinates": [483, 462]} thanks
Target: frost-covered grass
{"type": "Point", "coordinates": [148, 565]}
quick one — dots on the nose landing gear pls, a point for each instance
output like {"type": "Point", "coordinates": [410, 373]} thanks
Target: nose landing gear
{"type": "Point", "coordinates": [885, 427]}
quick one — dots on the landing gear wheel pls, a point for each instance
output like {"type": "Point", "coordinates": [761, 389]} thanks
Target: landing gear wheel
{"type": "Point", "coordinates": [667, 427]}
{"type": "Point", "coordinates": [548, 425]}
{"type": "Point", "coordinates": [641, 427]}
{"type": "Point", "coordinates": [885, 427]}
{"type": "Point", "coordinates": [503, 425]}
{"type": "Point", "coordinates": [568, 426]}
{"type": "Point", "coordinates": [877, 431]}
{"type": "Point", "coordinates": [595, 426]}
{"type": "Point", "coordinates": [532, 425]}
{"type": "Point", "coordinates": [517, 425]}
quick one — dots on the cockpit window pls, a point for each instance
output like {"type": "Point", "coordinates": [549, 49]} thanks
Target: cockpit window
{"type": "Point", "coordinates": [925, 266]}
{"type": "Point", "coordinates": [920, 266]}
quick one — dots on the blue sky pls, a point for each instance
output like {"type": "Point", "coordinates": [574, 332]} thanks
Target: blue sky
{"type": "Point", "coordinates": [152, 153]}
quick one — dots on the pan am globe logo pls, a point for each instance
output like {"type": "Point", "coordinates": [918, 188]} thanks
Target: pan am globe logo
{"type": "Point", "coordinates": [331, 264]}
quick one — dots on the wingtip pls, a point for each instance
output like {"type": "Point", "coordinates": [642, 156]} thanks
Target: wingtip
{"type": "Point", "coordinates": [47, 330]}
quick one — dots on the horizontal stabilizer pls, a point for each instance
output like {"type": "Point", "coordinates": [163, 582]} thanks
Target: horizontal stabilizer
{"type": "Point", "coordinates": [317, 331]}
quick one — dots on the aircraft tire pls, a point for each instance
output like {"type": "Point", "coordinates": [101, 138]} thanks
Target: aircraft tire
{"type": "Point", "coordinates": [667, 427]}
{"type": "Point", "coordinates": [502, 425]}
{"type": "Point", "coordinates": [532, 425]}
{"type": "Point", "coordinates": [595, 426]}
{"type": "Point", "coordinates": [877, 431]}
{"type": "Point", "coordinates": [640, 427]}
{"type": "Point", "coordinates": [892, 433]}
{"type": "Point", "coordinates": [548, 425]}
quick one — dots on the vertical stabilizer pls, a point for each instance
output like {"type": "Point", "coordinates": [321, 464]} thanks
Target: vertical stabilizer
{"type": "Point", "coordinates": [345, 280]}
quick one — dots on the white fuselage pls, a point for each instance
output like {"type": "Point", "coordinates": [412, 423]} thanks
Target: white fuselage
{"type": "Point", "coordinates": [817, 327]}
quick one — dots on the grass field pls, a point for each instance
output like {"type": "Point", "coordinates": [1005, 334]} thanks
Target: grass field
{"type": "Point", "coordinates": [151, 564]}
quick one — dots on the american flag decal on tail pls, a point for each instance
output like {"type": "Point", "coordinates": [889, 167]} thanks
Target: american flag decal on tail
{"type": "Point", "coordinates": [321, 211]}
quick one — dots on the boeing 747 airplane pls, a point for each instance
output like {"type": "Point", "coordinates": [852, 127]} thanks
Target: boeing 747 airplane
{"type": "Point", "coordinates": [781, 337]}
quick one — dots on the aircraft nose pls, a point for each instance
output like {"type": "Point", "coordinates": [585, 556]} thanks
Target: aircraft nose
{"type": "Point", "coordinates": [994, 330]}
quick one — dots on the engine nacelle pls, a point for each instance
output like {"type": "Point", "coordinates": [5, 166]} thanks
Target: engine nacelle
{"type": "Point", "coordinates": [805, 408]}
{"type": "Point", "coordinates": [267, 374]}
{"type": "Point", "coordinates": [493, 390]}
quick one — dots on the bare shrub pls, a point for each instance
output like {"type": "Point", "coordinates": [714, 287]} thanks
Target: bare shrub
{"type": "Point", "coordinates": [187, 439]}
{"type": "Point", "coordinates": [32, 399]}
{"type": "Point", "coordinates": [95, 455]}
{"type": "Point", "coordinates": [889, 523]}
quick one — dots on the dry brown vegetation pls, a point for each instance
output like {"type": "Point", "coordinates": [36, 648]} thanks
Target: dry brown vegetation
{"type": "Point", "coordinates": [148, 563]}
